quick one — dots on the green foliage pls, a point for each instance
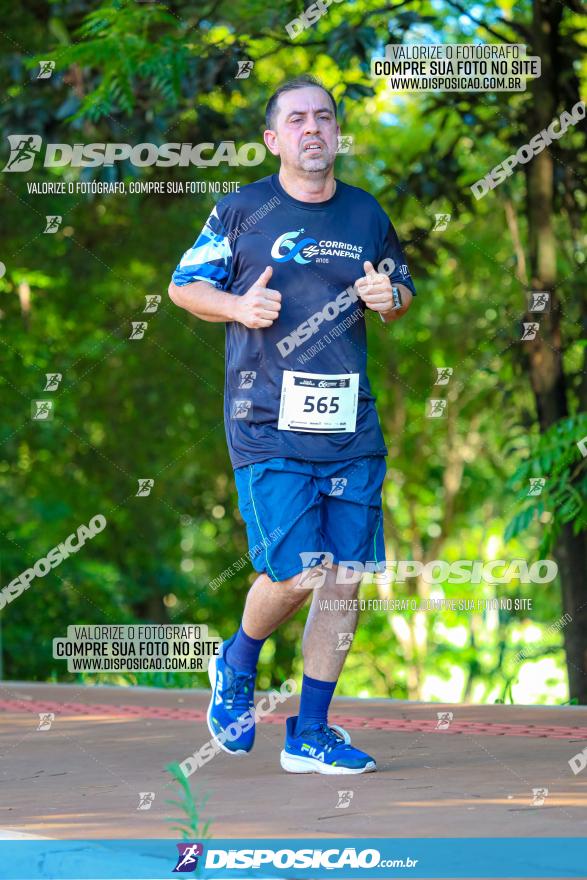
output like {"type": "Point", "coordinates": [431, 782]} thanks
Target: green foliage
{"type": "Point", "coordinates": [127, 410]}
{"type": "Point", "coordinates": [556, 455]}
{"type": "Point", "coordinates": [189, 825]}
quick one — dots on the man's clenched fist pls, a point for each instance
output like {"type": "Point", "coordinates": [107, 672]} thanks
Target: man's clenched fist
{"type": "Point", "coordinates": [260, 305]}
{"type": "Point", "coordinates": [374, 288]}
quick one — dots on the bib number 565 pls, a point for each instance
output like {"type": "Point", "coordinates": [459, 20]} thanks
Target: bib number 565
{"type": "Point", "coordinates": [321, 405]}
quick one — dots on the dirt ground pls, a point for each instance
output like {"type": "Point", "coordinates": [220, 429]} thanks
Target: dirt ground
{"type": "Point", "coordinates": [82, 777]}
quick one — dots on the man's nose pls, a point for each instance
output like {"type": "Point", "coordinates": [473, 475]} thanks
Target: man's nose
{"type": "Point", "coordinates": [312, 125]}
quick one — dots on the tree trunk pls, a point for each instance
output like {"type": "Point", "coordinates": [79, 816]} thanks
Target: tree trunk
{"type": "Point", "coordinates": [151, 609]}
{"type": "Point", "coordinates": [544, 353]}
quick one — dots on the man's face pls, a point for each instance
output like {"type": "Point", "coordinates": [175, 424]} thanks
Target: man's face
{"type": "Point", "coordinates": [305, 133]}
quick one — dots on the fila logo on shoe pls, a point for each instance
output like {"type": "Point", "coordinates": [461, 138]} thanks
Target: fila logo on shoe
{"type": "Point", "coordinates": [312, 752]}
{"type": "Point", "coordinates": [218, 696]}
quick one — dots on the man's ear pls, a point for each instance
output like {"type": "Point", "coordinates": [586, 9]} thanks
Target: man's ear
{"type": "Point", "coordinates": [270, 138]}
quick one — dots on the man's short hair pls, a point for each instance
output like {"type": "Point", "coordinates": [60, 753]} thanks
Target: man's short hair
{"type": "Point", "coordinates": [300, 82]}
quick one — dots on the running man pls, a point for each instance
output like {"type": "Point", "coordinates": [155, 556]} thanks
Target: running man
{"type": "Point", "coordinates": [289, 265]}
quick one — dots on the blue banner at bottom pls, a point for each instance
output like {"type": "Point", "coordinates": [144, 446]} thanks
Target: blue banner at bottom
{"type": "Point", "coordinates": [306, 859]}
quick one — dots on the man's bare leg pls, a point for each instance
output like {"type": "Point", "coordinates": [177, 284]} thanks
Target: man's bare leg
{"type": "Point", "coordinates": [267, 606]}
{"type": "Point", "coordinates": [311, 745]}
{"type": "Point", "coordinates": [270, 603]}
{"type": "Point", "coordinates": [232, 674]}
{"type": "Point", "coordinates": [322, 660]}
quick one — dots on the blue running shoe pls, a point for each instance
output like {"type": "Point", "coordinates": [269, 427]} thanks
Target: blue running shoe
{"type": "Point", "coordinates": [322, 749]}
{"type": "Point", "coordinates": [231, 713]}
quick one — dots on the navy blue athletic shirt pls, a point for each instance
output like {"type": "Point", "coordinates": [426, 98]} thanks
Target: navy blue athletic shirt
{"type": "Point", "coordinates": [317, 250]}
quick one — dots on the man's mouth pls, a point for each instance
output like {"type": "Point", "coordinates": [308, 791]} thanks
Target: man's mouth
{"type": "Point", "coordinates": [312, 147]}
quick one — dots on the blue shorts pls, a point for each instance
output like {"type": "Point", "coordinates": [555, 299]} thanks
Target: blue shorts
{"type": "Point", "coordinates": [295, 511]}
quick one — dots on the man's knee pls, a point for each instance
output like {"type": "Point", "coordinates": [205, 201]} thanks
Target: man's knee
{"type": "Point", "coordinates": [338, 578]}
{"type": "Point", "coordinates": [309, 579]}
{"type": "Point", "coordinates": [293, 590]}
{"type": "Point", "coordinates": [335, 579]}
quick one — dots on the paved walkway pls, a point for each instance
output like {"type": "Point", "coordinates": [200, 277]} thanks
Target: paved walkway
{"type": "Point", "coordinates": [82, 777]}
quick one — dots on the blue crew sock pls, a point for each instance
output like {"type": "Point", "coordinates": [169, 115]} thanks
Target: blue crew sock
{"type": "Point", "coordinates": [243, 652]}
{"type": "Point", "coordinates": [316, 697]}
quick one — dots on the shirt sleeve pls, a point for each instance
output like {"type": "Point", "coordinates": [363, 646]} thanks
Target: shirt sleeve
{"type": "Point", "coordinates": [391, 250]}
{"type": "Point", "coordinates": [210, 257]}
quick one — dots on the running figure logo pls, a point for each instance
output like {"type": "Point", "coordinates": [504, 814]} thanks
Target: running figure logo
{"type": "Point", "coordinates": [244, 69]}
{"type": "Point", "coordinates": [345, 142]}
{"type": "Point", "coordinates": [46, 719]}
{"type": "Point", "coordinates": [53, 380]}
{"type": "Point", "coordinates": [441, 222]}
{"type": "Point", "coordinates": [41, 410]}
{"type": "Point", "coordinates": [146, 799]}
{"type": "Point", "coordinates": [530, 331]}
{"type": "Point", "coordinates": [138, 329]}
{"type": "Point", "coordinates": [46, 68]}
{"type": "Point", "coordinates": [538, 796]}
{"type": "Point", "coordinates": [537, 484]}
{"type": "Point", "coordinates": [241, 409]}
{"type": "Point", "coordinates": [538, 301]}
{"type": "Point", "coordinates": [444, 720]}
{"type": "Point", "coordinates": [53, 222]}
{"type": "Point", "coordinates": [345, 640]}
{"type": "Point", "coordinates": [344, 799]}
{"type": "Point", "coordinates": [24, 148]}
{"type": "Point", "coordinates": [443, 375]}
{"type": "Point", "coordinates": [187, 860]}
{"type": "Point", "coordinates": [436, 408]}
{"type": "Point", "coordinates": [152, 301]}
{"type": "Point", "coordinates": [247, 377]}
{"type": "Point", "coordinates": [315, 558]}
{"type": "Point", "coordinates": [315, 564]}
{"type": "Point", "coordinates": [338, 485]}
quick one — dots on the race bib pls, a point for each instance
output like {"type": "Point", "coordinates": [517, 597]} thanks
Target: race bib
{"type": "Point", "coordinates": [318, 403]}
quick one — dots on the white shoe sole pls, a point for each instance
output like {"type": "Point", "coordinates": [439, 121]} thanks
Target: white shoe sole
{"type": "Point", "coordinates": [212, 677]}
{"type": "Point", "coordinates": [297, 764]}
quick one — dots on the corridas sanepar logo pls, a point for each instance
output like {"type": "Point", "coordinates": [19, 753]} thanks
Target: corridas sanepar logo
{"type": "Point", "coordinates": [289, 246]}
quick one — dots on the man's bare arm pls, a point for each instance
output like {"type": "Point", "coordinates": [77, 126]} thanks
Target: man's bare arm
{"type": "Point", "coordinates": [258, 307]}
{"type": "Point", "coordinates": [202, 299]}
